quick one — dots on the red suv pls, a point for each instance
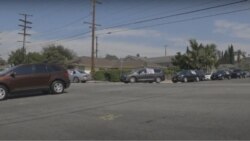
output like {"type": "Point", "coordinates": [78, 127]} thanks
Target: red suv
{"type": "Point", "coordinates": [44, 77]}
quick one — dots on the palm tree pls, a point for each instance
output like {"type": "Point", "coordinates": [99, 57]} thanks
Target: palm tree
{"type": "Point", "coordinates": [210, 56]}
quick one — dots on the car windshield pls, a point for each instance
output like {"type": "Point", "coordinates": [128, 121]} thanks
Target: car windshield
{"type": "Point", "coordinates": [81, 71]}
{"type": "Point", "coordinates": [208, 73]}
{"type": "Point", "coordinates": [220, 71]}
{"type": "Point", "coordinates": [236, 70]}
{"type": "Point", "coordinates": [135, 71]}
{"type": "Point", "coordinates": [182, 72]}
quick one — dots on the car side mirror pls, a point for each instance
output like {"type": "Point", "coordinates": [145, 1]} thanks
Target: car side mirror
{"type": "Point", "coordinates": [13, 74]}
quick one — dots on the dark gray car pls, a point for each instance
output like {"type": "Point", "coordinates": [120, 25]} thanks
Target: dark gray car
{"type": "Point", "coordinates": [144, 75]}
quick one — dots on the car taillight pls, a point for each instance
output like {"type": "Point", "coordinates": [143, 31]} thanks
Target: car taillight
{"type": "Point", "coordinates": [66, 74]}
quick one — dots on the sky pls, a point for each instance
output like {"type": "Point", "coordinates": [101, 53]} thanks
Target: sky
{"type": "Point", "coordinates": [126, 27]}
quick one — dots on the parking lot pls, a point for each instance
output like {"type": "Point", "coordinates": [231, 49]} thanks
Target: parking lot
{"type": "Point", "coordinates": [204, 110]}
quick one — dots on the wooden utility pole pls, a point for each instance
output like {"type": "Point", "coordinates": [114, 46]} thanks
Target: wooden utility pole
{"type": "Point", "coordinates": [96, 48]}
{"type": "Point", "coordinates": [93, 36]}
{"type": "Point", "coordinates": [93, 39]}
{"type": "Point", "coordinates": [24, 33]}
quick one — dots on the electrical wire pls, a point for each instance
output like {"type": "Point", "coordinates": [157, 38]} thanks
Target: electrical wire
{"type": "Point", "coordinates": [189, 19]}
{"type": "Point", "coordinates": [177, 21]}
{"type": "Point", "coordinates": [174, 15]}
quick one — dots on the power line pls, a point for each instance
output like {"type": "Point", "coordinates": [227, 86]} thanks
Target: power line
{"type": "Point", "coordinates": [178, 14]}
{"type": "Point", "coordinates": [63, 26]}
{"type": "Point", "coordinates": [79, 36]}
{"type": "Point", "coordinates": [131, 8]}
{"type": "Point", "coordinates": [178, 21]}
{"type": "Point", "coordinates": [187, 7]}
{"type": "Point", "coordinates": [69, 38]}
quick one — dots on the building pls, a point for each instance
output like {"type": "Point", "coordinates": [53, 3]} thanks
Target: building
{"type": "Point", "coordinates": [129, 62]}
{"type": "Point", "coordinates": [165, 61]}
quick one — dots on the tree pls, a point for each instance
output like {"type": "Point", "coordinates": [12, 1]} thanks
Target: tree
{"type": "Point", "coordinates": [197, 56]}
{"type": "Point", "coordinates": [240, 54]}
{"type": "Point", "coordinates": [35, 57]}
{"type": "Point", "coordinates": [57, 54]}
{"type": "Point", "coordinates": [16, 57]}
{"type": "Point", "coordinates": [2, 61]}
{"type": "Point", "coordinates": [182, 61]}
{"type": "Point", "coordinates": [50, 54]}
{"type": "Point", "coordinates": [231, 54]}
{"type": "Point", "coordinates": [210, 56]}
{"type": "Point", "coordinates": [111, 57]}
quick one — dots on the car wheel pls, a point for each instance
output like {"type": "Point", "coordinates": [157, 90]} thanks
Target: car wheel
{"type": "Point", "coordinates": [197, 79]}
{"type": "Point", "coordinates": [57, 87]}
{"type": "Point", "coordinates": [229, 77]}
{"type": "Point", "coordinates": [132, 80]}
{"type": "Point", "coordinates": [3, 92]}
{"type": "Point", "coordinates": [158, 80]}
{"type": "Point", "coordinates": [185, 80]}
{"type": "Point", "coordinates": [76, 80]}
{"type": "Point", "coordinates": [222, 78]}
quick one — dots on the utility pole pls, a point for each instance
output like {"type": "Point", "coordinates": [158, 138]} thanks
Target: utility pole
{"type": "Point", "coordinates": [0, 38]}
{"type": "Point", "coordinates": [93, 37]}
{"type": "Point", "coordinates": [165, 50]}
{"type": "Point", "coordinates": [24, 33]}
{"type": "Point", "coordinates": [96, 48]}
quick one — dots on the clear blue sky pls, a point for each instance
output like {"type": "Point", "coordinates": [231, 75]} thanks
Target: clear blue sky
{"type": "Point", "coordinates": [61, 21]}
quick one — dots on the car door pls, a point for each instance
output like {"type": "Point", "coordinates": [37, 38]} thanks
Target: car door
{"type": "Point", "coordinates": [22, 78]}
{"type": "Point", "coordinates": [150, 75]}
{"type": "Point", "coordinates": [141, 75]}
{"type": "Point", "coordinates": [193, 75]}
{"type": "Point", "coordinates": [190, 75]}
{"type": "Point", "coordinates": [41, 76]}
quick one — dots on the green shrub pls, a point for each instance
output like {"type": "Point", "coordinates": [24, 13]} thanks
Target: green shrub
{"type": "Point", "coordinates": [113, 75]}
{"type": "Point", "coordinates": [108, 75]}
{"type": "Point", "coordinates": [100, 75]}
{"type": "Point", "coordinates": [169, 72]}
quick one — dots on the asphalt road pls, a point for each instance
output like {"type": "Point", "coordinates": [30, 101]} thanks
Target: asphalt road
{"type": "Point", "coordinates": [115, 111]}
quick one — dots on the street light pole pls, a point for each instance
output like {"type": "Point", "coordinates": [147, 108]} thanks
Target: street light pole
{"type": "Point", "coordinates": [166, 49]}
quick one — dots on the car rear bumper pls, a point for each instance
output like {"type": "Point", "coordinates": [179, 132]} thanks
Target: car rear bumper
{"type": "Point", "coordinates": [67, 84]}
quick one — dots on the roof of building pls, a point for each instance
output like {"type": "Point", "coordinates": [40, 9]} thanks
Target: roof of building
{"type": "Point", "coordinates": [128, 62]}
{"type": "Point", "coordinates": [162, 59]}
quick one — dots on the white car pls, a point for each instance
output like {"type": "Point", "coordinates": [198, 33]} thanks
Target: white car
{"type": "Point", "coordinates": [77, 76]}
{"type": "Point", "coordinates": [208, 76]}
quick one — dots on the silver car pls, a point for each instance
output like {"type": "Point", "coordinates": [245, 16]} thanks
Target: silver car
{"type": "Point", "coordinates": [77, 76]}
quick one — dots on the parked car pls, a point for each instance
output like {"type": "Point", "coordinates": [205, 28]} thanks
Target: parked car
{"type": "Point", "coordinates": [208, 75]}
{"type": "Point", "coordinates": [201, 74]}
{"type": "Point", "coordinates": [43, 77]}
{"type": "Point", "coordinates": [221, 75]}
{"type": "Point", "coordinates": [185, 76]}
{"type": "Point", "coordinates": [238, 73]}
{"type": "Point", "coordinates": [77, 76]}
{"type": "Point", "coordinates": [144, 75]}
{"type": "Point", "coordinates": [247, 73]}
